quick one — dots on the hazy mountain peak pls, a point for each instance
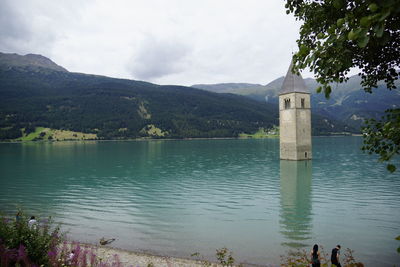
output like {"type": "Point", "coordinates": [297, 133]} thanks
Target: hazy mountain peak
{"type": "Point", "coordinates": [33, 61]}
{"type": "Point", "coordinates": [227, 87]}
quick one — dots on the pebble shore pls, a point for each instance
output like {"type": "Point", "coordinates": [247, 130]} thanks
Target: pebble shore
{"type": "Point", "coordinates": [138, 259]}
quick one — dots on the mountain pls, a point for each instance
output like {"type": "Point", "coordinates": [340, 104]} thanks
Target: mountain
{"type": "Point", "coordinates": [31, 62]}
{"type": "Point", "coordinates": [255, 91]}
{"type": "Point", "coordinates": [348, 102]}
{"type": "Point", "coordinates": [235, 88]}
{"type": "Point", "coordinates": [36, 92]}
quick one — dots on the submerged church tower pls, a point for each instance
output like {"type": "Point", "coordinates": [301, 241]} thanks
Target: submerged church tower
{"type": "Point", "coordinates": [294, 118]}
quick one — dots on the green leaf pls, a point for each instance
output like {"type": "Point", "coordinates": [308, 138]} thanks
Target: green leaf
{"type": "Point", "coordinates": [363, 41]}
{"type": "Point", "coordinates": [385, 13]}
{"type": "Point", "coordinates": [355, 34]}
{"type": "Point", "coordinates": [398, 250]}
{"type": "Point", "coordinates": [398, 238]}
{"type": "Point", "coordinates": [375, 16]}
{"type": "Point", "coordinates": [340, 22]}
{"type": "Point", "coordinates": [365, 21]}
{"type": "Point", "coordinates": [373, 7]}
{"type": "Point", "coordinates": [391, 168]}
{"type": "Point", "coordinates": [331, 29]}
{"type": "Point", "coordinates": [352, 35]}
{"type": "Point", "coordinates": [337, 4]}
{"type": "Point", "coordinates": [379, 29]}
{"type": "Point", "coordinates": [327, 91]}
{"type": "Point", "coordinates": [304, 50]}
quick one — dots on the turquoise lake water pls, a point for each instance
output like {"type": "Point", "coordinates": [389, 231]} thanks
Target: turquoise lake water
{"type": "Point", "coordinates": [181, 197]}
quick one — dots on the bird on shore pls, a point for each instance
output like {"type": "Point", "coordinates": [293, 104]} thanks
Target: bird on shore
{"type": "Point", "coordinates": [104, 241]}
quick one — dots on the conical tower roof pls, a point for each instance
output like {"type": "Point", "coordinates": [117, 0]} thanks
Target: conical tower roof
{"type": "Point", "coordinates": [293, 83]}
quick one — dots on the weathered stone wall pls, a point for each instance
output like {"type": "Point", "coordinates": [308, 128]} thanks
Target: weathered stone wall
{"type": "Point", "coordinates": [295, 127]}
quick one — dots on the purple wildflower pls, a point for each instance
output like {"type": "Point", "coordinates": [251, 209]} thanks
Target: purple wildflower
{"type": "Point", "coordinates": [53, 257]}
{"type": "Point", "coordinates": [93, 257]}
{"type": "Point", "coordinates": [84, 258]}
{"type": "Point", "coordinates": [117, 262]}
{"type": "Point", "coordinates": [21, 251]}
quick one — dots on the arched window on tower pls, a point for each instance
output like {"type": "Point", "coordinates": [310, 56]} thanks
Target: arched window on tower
{"type": "Point", "coordinates": [287, 103]}
{"type": "Point", "coordinates": [302, 103]}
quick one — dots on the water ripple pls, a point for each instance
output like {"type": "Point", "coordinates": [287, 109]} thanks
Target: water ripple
{"type": "Point", "coordinates": [161, 195]}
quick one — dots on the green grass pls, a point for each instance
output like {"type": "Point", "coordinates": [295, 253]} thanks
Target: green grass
{"type": "Point", "coordinates": [55, 135]}
{"type": "Point", "coordinates": [262, 133]}
{"type": "Point", "coordinates": [32, 135]}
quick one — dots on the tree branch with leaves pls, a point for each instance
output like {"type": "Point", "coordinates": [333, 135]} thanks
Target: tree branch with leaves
{"type": "Point", "coordinates": [337, 36]}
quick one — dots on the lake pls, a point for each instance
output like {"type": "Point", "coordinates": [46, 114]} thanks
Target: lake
{"type": "Point", "coordinates": [178, 197]}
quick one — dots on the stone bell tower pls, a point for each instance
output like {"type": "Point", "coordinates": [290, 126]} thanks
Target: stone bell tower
{"type": "Point", "coordinates": [294, 118]}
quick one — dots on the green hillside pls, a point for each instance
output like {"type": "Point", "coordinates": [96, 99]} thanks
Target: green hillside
{"type": "Point", "coordinates": [36, 92]}
{"type": "Point", "coordinates": [347, 107]}
{"type": "Point", "coordinates": [35, 96]}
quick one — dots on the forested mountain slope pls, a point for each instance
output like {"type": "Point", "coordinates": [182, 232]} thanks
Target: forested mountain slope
{"type": "Point", "coordinates": [348, 104]}
{"type": "Point", "coordinates": [36, 92]}
{"type": "Point", "coordinates": [35, 95]}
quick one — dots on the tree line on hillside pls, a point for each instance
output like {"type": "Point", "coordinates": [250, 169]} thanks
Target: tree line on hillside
{"type": "Point", "coordinates": [115, 108]}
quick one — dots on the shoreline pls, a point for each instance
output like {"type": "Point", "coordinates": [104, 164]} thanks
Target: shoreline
{"type": "Point", "coordinates": [147, 259]}
{"type": "Point", "coordinates": [139, 259]}
{"type": "Point", "coordinates": [161, 139]}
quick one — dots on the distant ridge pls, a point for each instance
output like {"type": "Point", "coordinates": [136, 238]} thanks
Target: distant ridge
{"type": "Point", "coordinates": [36, 93]}
{"type": "Point", "coordinates": [348, 102]}
{"type": "Point", "coordinates": [30, 61]}
{"type": "Point", "coordinates": [226, 87]}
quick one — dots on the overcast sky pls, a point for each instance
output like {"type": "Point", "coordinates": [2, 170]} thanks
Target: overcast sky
{"type": "Point", "coordinates": [161, 41]}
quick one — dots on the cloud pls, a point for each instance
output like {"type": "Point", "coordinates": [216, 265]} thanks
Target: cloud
{"type": "Point", "coordinates": [13, 27]}
{"type": "Point", "coordinates": [156, 58]}
{"type": "Point", "coordinates": [35, 26]}
{"type": "Point", "coordinates": [166, 42]}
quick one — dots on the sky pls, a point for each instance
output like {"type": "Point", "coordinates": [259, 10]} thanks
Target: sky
{"type": "Point", "coordinates": [181, 42]}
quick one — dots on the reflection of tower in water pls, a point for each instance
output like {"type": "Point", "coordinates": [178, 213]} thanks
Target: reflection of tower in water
{"type": "Point", "coordinates": [295, 215]}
